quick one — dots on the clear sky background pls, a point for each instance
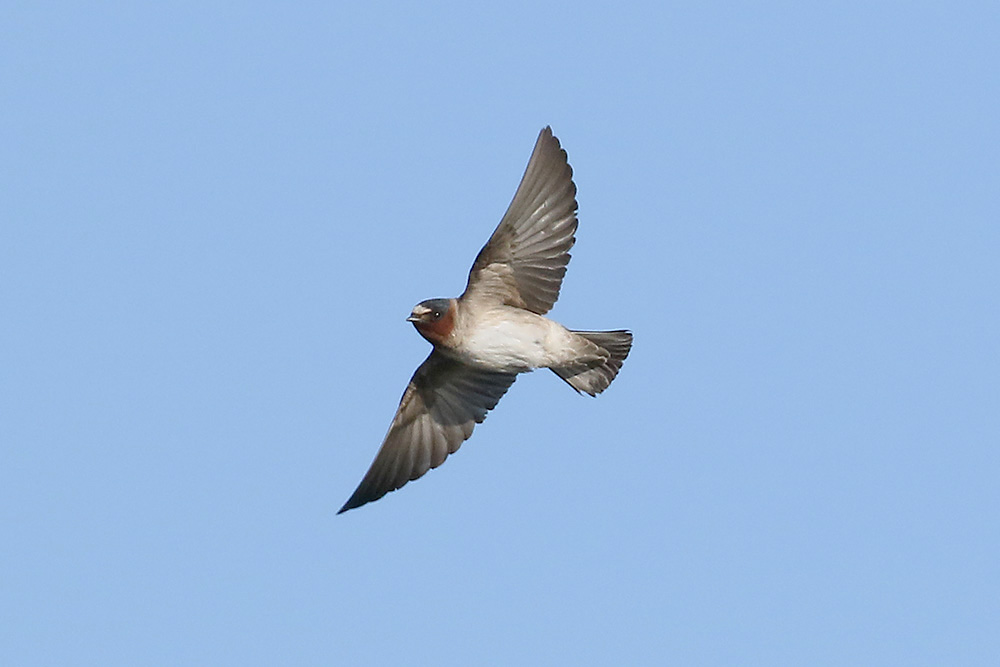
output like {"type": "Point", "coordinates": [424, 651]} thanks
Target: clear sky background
{"type": "Point", "coordinates": [216, 216]}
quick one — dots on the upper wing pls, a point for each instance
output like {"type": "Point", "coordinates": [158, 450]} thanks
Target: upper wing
{"type": "Point", "coordinates": [443, 402]}
{"type": "Point", "coordinates": [524, 262]}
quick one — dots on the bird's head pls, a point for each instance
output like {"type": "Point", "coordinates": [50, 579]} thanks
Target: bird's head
{"type": "Point", "coordinates": [434, 319]}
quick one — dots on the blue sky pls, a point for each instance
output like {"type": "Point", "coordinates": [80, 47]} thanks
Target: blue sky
{"type": "Point", "coordinates": [216, 217]}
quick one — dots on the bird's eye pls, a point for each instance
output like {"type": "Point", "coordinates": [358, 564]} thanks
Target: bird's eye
{"type": "Point", "coordinates": [437, 315]}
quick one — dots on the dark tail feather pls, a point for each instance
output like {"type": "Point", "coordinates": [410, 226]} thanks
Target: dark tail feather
{"type": "Point", "coordinates": [593, 378]}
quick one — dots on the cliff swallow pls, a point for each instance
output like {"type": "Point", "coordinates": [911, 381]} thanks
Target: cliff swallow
{"type": "Point", "coordinates": [495, 330]}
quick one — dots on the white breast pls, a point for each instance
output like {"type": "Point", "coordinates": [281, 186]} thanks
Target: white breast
{"type": "Point", "coordinates": [514, 340]}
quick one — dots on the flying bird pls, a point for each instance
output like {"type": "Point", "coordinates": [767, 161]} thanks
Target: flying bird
{"type": "Point", "coordinates": [495, 330]}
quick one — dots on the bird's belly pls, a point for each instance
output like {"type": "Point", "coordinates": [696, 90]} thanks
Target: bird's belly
{"type": "Point", "coordinates": [514, 345]}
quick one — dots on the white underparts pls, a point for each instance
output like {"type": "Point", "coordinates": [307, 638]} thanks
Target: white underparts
{"type": "Point", "coordinates": [515, 340]}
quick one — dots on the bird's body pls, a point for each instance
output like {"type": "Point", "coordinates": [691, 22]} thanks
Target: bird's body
{"type": "Point", "coordinates": [495, 330]}
{"type": "Point", "coordinates": [510, 340]}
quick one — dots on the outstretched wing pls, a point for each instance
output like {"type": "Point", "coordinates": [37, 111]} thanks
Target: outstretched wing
{"type": "Point", "coordinates": [524, 262]}
{"type": "Point", "coordinates": [443, 402]}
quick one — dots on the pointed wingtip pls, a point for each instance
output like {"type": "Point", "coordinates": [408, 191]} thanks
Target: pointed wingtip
{"type": "Point", "coordinates": [546, 135]}
{"type": "Point", "coordinates": [349, 505]}
{"type": "Point", "coordinates": [357, 499]}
